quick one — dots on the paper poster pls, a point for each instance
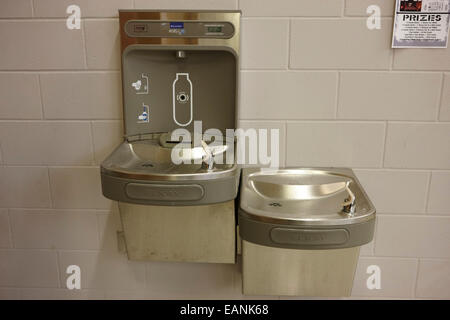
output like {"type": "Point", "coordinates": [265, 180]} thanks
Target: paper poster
{"type": "Point", "coordinates": [421, 24]}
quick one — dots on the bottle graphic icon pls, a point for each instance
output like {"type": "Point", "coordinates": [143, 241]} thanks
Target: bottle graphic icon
{"type": "Point", "coordinates": [182, 100]}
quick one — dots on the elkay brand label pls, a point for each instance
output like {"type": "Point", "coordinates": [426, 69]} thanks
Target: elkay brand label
{"type": "Point", "coordinates": [421, 24]}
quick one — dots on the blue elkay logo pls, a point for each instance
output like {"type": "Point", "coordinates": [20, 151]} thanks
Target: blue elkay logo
{"type": "Point", "coordinates": [177, 25]}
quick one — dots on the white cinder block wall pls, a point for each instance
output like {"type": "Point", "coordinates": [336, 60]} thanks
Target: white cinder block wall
{"type": "Point", "coordinates": [339, 95]}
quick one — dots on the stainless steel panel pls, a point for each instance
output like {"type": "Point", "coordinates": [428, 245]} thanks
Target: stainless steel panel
{"type": "Point", "coordinates": [168, 15]}
{"type": "Point", "coordinates": [211, 60]}
{"type": "Point", "coordinates": [204, 233]}
{"type": "Point", "coordinates": [164, 29]}
{"type": "Point", "coordinates": [293, 272]}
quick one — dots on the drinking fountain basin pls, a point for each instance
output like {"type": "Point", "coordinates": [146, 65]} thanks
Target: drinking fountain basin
{"type": "Point", "coordinates": [305, 197]}
{"type": "Point", "coordinates": [143, 172]}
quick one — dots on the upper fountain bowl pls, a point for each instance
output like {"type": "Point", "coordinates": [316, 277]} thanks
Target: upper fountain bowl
{"type": "Point", "coordinates": [143, 172]}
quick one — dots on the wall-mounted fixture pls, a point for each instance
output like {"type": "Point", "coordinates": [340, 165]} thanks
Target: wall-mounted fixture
{"type": "Point", "coordinates": [177, 68]}
{"type": "Point", "coordinates": [301, 231]}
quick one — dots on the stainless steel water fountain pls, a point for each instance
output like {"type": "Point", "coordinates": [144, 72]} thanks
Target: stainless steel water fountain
{"type": "Point", "coordinates": [177, 68]}
{"type": "Point", "coordinates": [301, 230]}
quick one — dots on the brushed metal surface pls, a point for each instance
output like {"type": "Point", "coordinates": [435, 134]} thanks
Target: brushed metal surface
{"type": "Point", "coordinates": [195, 233]}
{"type": "Point", "coordinates": [148, 160]}
{"type": "Point", "coordinates": [310, 196]}
{"type": "Point", "coordinates": [294, 272]}
{"type": "Point", "coordinates": [167, 15]}
{"type": "Point", "coordinates": [176, 233]}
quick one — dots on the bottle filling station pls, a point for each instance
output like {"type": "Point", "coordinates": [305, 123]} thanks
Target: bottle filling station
{"type": "Point", "coordinates": [177, 68]}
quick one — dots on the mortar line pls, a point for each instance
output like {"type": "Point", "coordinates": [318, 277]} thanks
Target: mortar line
{"type": "Point", "coordinates": [83, 39]}
{"type": "Point", "coordinates": [289, 45]}
{"type": "Point", "coordinates": [58, 269]}
{"type": "Point", "coordinates": [61, 71]}
{"type": "Point", "coordinates": [338, 83]}
{"type": "Point", "coordinates": [374, 239]}
{"type": "Point", "coordinates": [75, 120]}
{"type": "Point", "coordinates": [350, 70]}
{"type": "Point", "coordinates": [52, 205]}
{"type": "Point", "coordinates": [11, 237]}
{"type": "Point", "coordinates": [290, 120]}
{"type": "Point", "coordinates": [440, 98]}
{"type": "Point", "coordinates": [51, 166]}
{"type": "Point", "coordinates": [91, 131]}
{"type": "Point", "coordinates": [427, 191]}
{"type": "Point", "coordinates": [417, 278]}
{"type": "Point", "coordinates": [383, 157]}
{"type": "Point", "coordinates": [33, 19]}
{"type": "Point", "coordinates": [415, 215]}
{"type": "Point", "coordinates": [47, 211]}
{"type": "Point", "coordinates": [2, 157]}
{"type": "Point", "coordinates": [41, 97]}
{"type": "Point", "coordinates": [391, 60]}
{"type": "Point", "coordinates": [99, 237]}
{"type": "Point", "coordinates": [314, 17]}
{"type": "Point", "coordinates": [53, 19]}
{"type": "Point", "coordinates": [285, 144]}
{"type": "Point", "coordinates": [33, 13]}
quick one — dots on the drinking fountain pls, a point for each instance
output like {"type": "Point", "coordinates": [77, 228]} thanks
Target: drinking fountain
{"type": "Point", "coordinates": [301, 230]}
{"type": "Point", "coordinates": [179, 79]}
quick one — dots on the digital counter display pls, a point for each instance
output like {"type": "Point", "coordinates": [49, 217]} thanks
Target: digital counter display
{"type": "Point", "coordinates": [215, 29]}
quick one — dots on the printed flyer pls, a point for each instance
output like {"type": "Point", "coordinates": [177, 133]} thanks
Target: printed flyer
{"type": "Point", "coordinates": [421, 24]}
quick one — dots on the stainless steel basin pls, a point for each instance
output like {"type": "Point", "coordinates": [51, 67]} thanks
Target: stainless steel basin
{"type": "Point", "coordinates": [142, 172]}
{"type": "Point", "coordinates": [304, 196]}
{"type": "Point", "coordinates": [297, 185]}
{"type": "Point", "coordinates": [148, 160]}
